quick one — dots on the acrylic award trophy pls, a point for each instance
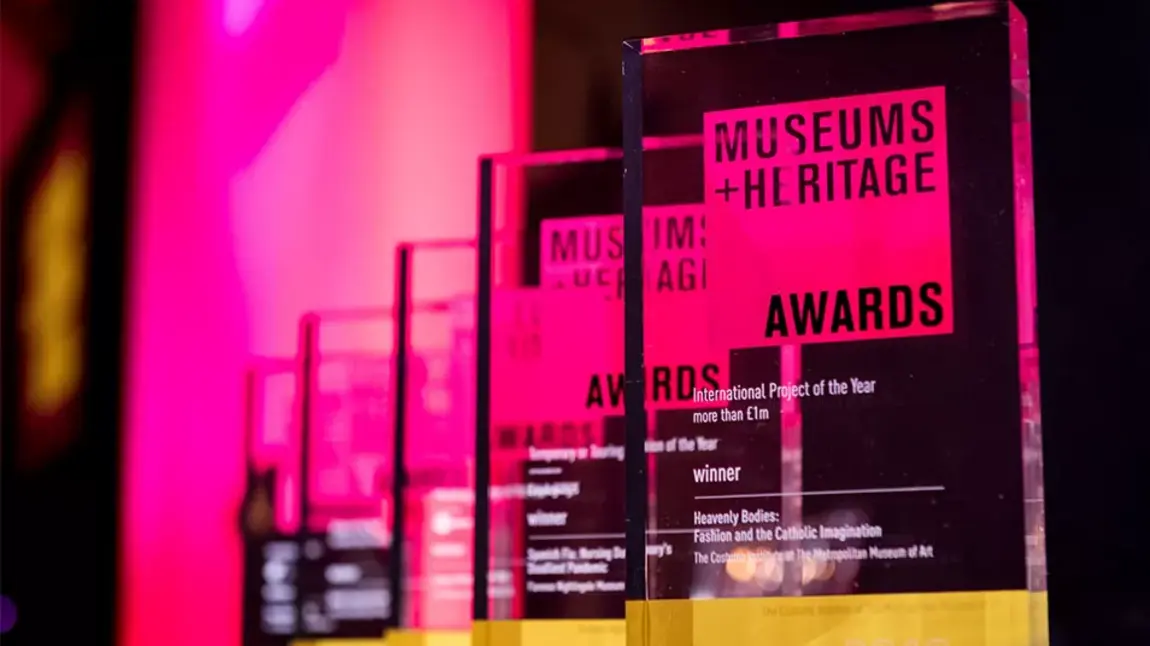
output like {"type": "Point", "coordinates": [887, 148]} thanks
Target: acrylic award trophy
{"type": "Point", "coordinates": [268, 520]}
{"type": "Point", "coordinates": [549, 463]}
{"type": "Point", "coordinates": [860, 463]}
{"type": "Point", "coordinates": [435, 433]}
{"type": "Point", "coordinates": [346, 422]}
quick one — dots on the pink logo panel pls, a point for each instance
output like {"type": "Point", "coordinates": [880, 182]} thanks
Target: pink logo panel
{"type": "Point", "coordinates": [581, 257]}
{"type": "Point", "coordinates": [829, 220]}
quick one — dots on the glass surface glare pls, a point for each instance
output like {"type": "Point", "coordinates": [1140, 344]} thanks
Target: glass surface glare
{"type": "Point", "coordinates": [857, 455]}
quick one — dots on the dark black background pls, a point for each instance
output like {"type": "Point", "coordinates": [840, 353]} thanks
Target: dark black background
{"type": "Point", "coordinates": [61, 519]}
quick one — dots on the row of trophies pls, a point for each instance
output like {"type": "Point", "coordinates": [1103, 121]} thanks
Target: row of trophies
{"type": "Point", "coordinates": [769, 371]}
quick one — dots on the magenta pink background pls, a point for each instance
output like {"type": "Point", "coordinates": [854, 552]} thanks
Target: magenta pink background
{"type": "Point", "coordinates": [284, 147]}
{"type": "Point", "coordinates": [844, 244]}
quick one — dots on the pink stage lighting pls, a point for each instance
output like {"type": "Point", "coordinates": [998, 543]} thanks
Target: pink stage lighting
{"type": "Point", "coordinates": [284, 148]}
